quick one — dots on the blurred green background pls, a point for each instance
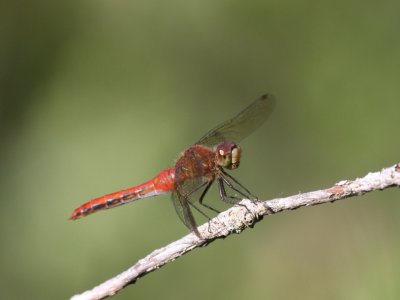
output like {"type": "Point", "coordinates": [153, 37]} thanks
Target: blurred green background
{"type": "Point", "coordinates": [97, 96]}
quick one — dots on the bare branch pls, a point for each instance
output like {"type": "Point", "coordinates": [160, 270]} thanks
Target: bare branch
{"type": "Point", "coordinates": [238, 218]}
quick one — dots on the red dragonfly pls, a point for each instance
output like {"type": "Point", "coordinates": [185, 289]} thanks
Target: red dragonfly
{"type": "Point", "coordinates": [197, 168]}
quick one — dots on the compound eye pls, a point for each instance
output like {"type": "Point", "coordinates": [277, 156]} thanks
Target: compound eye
{"type": "Point", "coordinates": [235, 154]}
{"type": "Point", "coordinates": [224, 158]}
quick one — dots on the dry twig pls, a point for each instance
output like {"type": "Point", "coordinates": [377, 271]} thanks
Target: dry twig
{"type": "Point", "coordinates": [238, 218]}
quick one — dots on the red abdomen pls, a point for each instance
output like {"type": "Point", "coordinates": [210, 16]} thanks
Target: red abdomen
{"type": "Point", "coordinates": [161, 184]}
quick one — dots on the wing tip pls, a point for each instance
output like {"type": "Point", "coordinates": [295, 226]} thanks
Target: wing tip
{"type": "Point", "coordinates": [267, 96]}
{"type": "Point", "coordinates": [268, 101]}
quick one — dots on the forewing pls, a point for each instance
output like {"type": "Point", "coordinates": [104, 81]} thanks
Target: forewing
{"type": "Point", "coordinates": [241, 125]}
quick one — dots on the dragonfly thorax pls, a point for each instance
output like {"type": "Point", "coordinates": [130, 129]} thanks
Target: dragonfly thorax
{"type": "Point", "coordinates": [228, 155]}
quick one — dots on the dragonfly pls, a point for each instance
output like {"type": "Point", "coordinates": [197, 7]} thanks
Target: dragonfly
{"type": "Point", "coordinates": [198, 167]}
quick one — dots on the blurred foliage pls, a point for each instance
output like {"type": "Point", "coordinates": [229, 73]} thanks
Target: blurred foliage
{"type": "Point", "coordinates": [97, 96]}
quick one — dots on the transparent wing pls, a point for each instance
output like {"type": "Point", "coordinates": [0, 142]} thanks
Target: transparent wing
{"type": "Point", "coordinates": [241, 125]}
{"type": "Point", "coordinates": [182, 208]}
{"type": "Point", "coordinates": [184, 197]}
{"type": "Point", "coordinates": [176, 200]}
{"type": "Point", "coordinates": [193, 188]}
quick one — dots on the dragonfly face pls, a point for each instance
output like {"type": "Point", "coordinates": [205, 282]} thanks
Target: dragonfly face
{"type": "Point", "coordinates": [228, 155]}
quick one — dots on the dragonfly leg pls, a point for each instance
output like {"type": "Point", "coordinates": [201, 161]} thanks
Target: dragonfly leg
{"type": "Point", "coordinates": [228, 183]}
{"type": "Point", "coordinates": [199, 210]}
{"type": "Point", "coordinates": [195, 190]}
{"type": "Point", "coordinates": [224, 196]}
{"type": "Point", "coordinates": [202, 197]}
{"type": "Point", "coordinates": [208, 185]}
{"type": "Point", "coordinates": [241, 185]}
{"type": "Point", "coordinates": [202, 213]}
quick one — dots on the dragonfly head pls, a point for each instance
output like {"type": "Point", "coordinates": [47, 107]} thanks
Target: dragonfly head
{"type": "Point", "coordinates": [228, 155]}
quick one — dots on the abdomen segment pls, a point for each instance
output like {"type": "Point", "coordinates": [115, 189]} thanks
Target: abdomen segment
{"type": "Point", "coordinates": [164, 182]}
